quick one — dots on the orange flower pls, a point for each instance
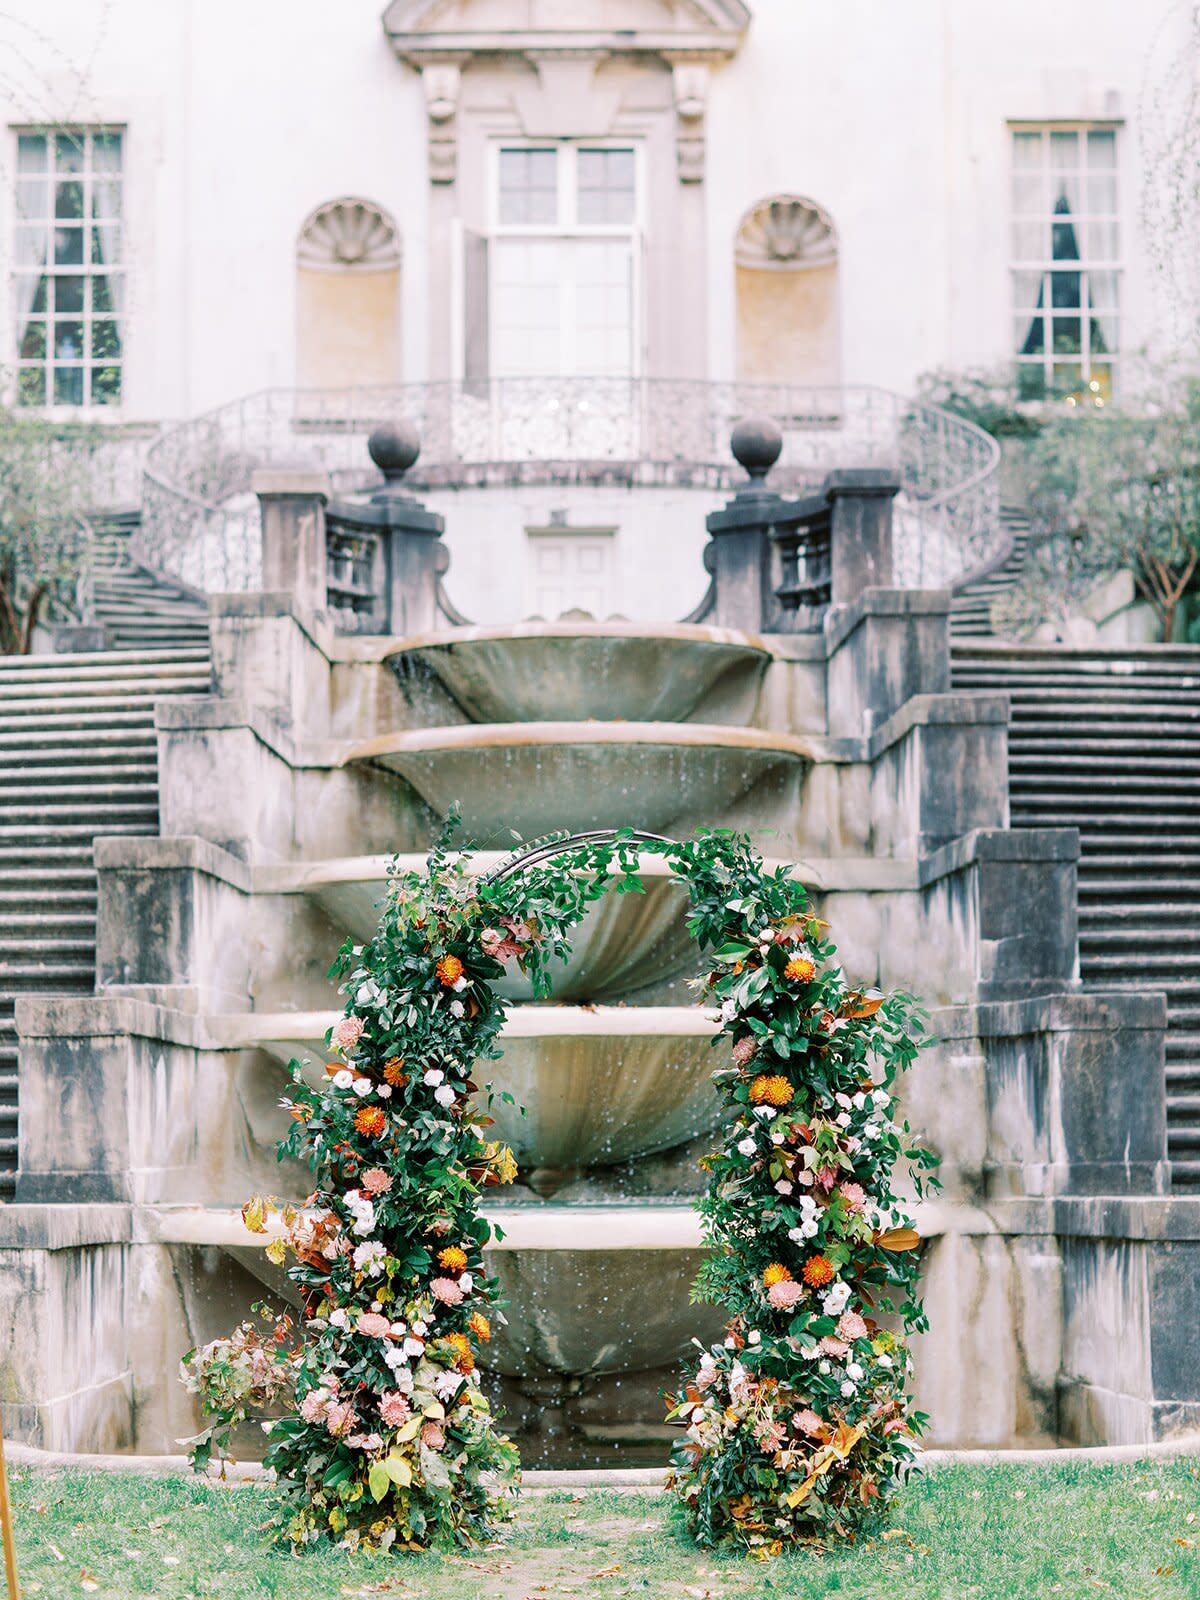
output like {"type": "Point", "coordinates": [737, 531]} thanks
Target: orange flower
{"type": "Point", "coordinates": [480, 1326]}
{"type": "Point", "coordinates": [772, 1090]}
{"type": "Point", "coordinates": [817, 1271]}
{"type": "Point", "coordinates": [452, 1258]}
{"type": "Point", "coordinates": [461, 1345]}
{"type": "Point", "coordinates": [370, 1120]}
{"type": "Point", "coordinates": [449, 970]}
{"type": "Point", "coordinates": [776, 1274]}
{"type": "Point", "coordinates": [394, 1073]}
{"type": "Point", "coordinates": [800, 970]}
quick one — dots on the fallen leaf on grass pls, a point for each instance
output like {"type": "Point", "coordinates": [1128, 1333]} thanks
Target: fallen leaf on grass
{"type": "Point", "coordinates": [606, 1572]}
{"type": "Point", "coordinates": [895, 1533]}
{"type": "Point", "coordinates": [1185, 1544]}
{"type": "Point", "coordinates": [87, 1580]}
{"type": "Point", "coordinates": [57, 1553]}
{"type": "Point", "coordinates": [1163, 1572]}
{"type": "Point", "coordinates": [700, 1594]}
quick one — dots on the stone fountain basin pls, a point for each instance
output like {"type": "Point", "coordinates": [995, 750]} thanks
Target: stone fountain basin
{"type": "Point", "coordinates": [537, 672]}
{"type": "Point", "coordinates": [602, 1085]}
{"type": "Point", "coordinates": [590, 1289]}
{"type": "Point", "coordinates": [624, 944]}
{"type": "Point", "coordinates": [664, 777]}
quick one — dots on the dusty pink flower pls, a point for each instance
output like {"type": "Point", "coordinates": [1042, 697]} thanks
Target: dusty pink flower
{"type": "Point", "coordinates": [447, 1291]}
{"type": "Point", "coordinates": [783, 1296]}
{"type": "Point", "coordinates": [432, 1436]}
{"type": "Point", "coordinates": [851, 1326]}
{"type": "Point", "coordinates": [854, 1195]}
{"type": "Point", "coordinates": [827, 1177]}
{"type": "Point", "coordinates": [834, 1347]}
{"type": "Point", "coordinates": [373, 1324]}
{"type": "Point", "coordinates": [498, 945]}
{"type": "Point", "coordinates": [770, 1435]}
{"type": "Point", "coordinates": [365, 1441]}
{"type": "Point", "coordinates": [394, 1409]}
{"type": "Point", "coordinates": [376, 1181]}
{"type": "Point", "coordinates": [314, 1406]}
{"type": "Point", "coordinates": [745, 1050]}
{"type": "Point", "coordinates": [341, 1419]}
{"type": "Point", "coordinates": [807, 1421]}
{"type": "Point", "coordinates": [347, 1033]}
{"type": "Point", "coordinates": [439, 1225]}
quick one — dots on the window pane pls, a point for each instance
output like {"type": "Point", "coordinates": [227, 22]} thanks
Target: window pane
{"type": "Point", "coordinates": [1031, 380]}
{"type": "Point", "coordinates": [1029, 335]}
{"type": "Point", "coordinates": [33, 342]}
{"type": "Point", "coordinates": [1104, 334]}
{"type": "Point", "coordinates": [606, 181]}
{"type": "Point", "coordinates": [1068, 337]}
{"type": "Point", "coordinates": [68, 152]}
{"type": "Point", "coordinates": [1102, 290]}
{"type": "Point", "coordinates": [106, 341]}
{"type": "Point", "coordinates": [106, 198]}
{"type": "Point", "coordinates": [68, 386]}
{"type": "Point", "coordinates": [1030, 242]}
{"type": "Point", "coordinates": [1064, 242]}
{"type": "Point", "coordinates": [106, 386]}
{"type": "Point", "coordinates": [106, 244]}
{"type": "Point", "coordinates": [1064, 151]}
{"type": "Point", "coordinates": [68, 341]}
{"type": "Point", "coordinates": [1066, 192]}
{"type": "Point", "coordinates": [68, 295]}
{"type": "Point", "coordinates": [31, 386]}
{"type": "Point", "coordinates": [1102, 195]}
{"type": "Point", "coordinates": [68, 200]}
{"type": "Point", "coordinates": [1102, 241]}
{"type": "Point", "coordinates": [106, 152]}
{"type": "Point", "coordinates": [31, 152]}
{"type": "Point", "coordinates": [1027, 289]}
{"type": "Point", "coordinates": [106, 293]}
{"type": "Point", "coordinates": [1102, 148]}
{"type": "Point", "coordinates": [1068, 377]}
{"type": "Point", "coordinates": [30, 247]}
{"type": "Point", "coordinates": [33, 198]}
{"type": "Point", "coordinates": [1065, 289]}
{"type": "Point", "coordinates": [1100, 383]}
{"type": "Point", "coordinates": [528, 186]}
{"type": "Point", "coordinates": [1029, 195]}
{"type": "Point", "coordinates": [68, 247]}
{"type": "Point", "coordinates": [1027, 150]}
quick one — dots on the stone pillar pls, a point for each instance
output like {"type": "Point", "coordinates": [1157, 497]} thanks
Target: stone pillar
{"type": "Point", "coordinates": [860, 502]}
{"type": "Point", "coordinates": [293, 533]}
{"type": "Point", "coordinates": [416, 557]}
{"type": "Point", "coordinates": [739, 555]}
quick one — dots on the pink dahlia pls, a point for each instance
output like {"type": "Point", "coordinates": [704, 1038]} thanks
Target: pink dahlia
{"type": "Point", "coordinates": [373, 1324]}
{"type": "Point", "coordinates": [447, 1291]}
{"type": "Point", "coordinates": [827, 1177]}
{"type": "Point", "coordinates": [376, 1181]}
{"type": "Point", "coordinates": [348, 1032]}
{"type": "Point", "coordinates": [365, 1441]}
{"type": "Point", "coordinates": [834, 1347]}
{"type": "Point", "coordinates": [783, 1296]}
{"type": "Point", "coordinates": [394, 1409]}
{"type": "Point", "coordinates": [432, 1436]}
{"type": "Point", "coordinates": [745, 1050]}
{"type": "Point", "coordinates": [341, 1419]}
{"type": "Point", "coordinates": [770, 1435]}
{"type": "Point", "coordinates": [807, 1421]}
{"type": "Point", "coordinates": [314, 1406]}
{"type": "Point", "coordinates": [851, 1326]}
{"type": "Point", "coordinates": [854, 1195]}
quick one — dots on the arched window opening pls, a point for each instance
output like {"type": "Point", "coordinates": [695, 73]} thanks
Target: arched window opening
{"type": "Point", "coordinates": [786, 261]}
{"type": "Point", "coordinates": [348, 297]}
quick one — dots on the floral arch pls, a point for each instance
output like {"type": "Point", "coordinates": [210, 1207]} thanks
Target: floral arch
{"type": "Point", "coordinates": [796, 1423]}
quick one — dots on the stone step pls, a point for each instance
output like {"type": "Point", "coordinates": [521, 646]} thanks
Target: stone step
{"type": "Point", "coordinates": [1134, 904]}
{"type": "Point", "coordinates": [87, 663]}
{"type": "Point", "coordinates": [1177, 863]}
{"type": "Point", "coordinates": [1183, 1141]}
{"type": "Point", "coordinates": [1052, 811]}
{"type": "Point", "coordinates": [1148, 937]}
{"type": "Point", "coordinates": [1184, 1107]}
{"type": "Point", "coordinates": [1181, 765]}
{"type": "Point", "coordinates": [48, 976]}
{"type": "Point", "coordinates": [128, 748]}
{"type": "Point", "coordinates": [132, 774]}
{"type": "Point", "coordinates": [1183, 989]}
{"type": "Point", "coordinates": [1060, 779]}
{"type": "Point", "coordinates": [1185, 1176]}
{"type": "Point", "coordinates": [28, 790]}
{"type": "Point", "coordinates": [65, 833]}
{"type": "Point", "coordinates": [47, 950]}
{"type": "Point", "coordinates": [91, 812]}
{"type": "Point", "coordinates": [1140, 965]}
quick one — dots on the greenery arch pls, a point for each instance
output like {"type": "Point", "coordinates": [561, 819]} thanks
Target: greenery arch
{"type": "Point", "coordinates": [796, 1423]}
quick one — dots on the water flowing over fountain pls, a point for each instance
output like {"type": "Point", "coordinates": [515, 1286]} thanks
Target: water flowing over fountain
{"type": "Point", "coordinates": [806, 701]}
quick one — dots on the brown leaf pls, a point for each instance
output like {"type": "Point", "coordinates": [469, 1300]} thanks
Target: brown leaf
{"type": "Point", "coordinates": [898, 1239]}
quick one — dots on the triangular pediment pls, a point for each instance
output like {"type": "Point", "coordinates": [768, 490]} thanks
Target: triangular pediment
{"type": "Point", "coordinates": [425, 29]}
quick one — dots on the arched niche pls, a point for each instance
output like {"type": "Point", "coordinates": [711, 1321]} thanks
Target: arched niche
{"type": "Point", "coordinates": [786, 261]}
{"type": "Point", "coordinates": [347, 296]}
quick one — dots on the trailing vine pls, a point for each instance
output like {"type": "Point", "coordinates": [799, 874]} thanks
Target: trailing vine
{"type": "Point", "coordinates": [385, 1437]}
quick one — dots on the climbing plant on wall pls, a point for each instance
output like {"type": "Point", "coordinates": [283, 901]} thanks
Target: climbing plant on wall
{"type": "Point", "coordinates": [386, 1437]}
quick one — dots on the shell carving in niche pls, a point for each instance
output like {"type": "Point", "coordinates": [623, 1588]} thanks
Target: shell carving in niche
{"type": "Point", "coordinates": [786, 234]}
{"type": "Point", "coordinates": [348, 235]}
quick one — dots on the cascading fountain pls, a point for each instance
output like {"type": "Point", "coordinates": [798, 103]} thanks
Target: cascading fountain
{"type": "Point", "coordinates": [807, 702]}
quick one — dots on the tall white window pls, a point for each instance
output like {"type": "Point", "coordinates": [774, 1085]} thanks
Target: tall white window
{"type": "Point", "coordinates": [69, 268]}
{"type": "Point", "coordinates": [563, 266]}
{"type": "Point", "coordinates": [1066, 262]}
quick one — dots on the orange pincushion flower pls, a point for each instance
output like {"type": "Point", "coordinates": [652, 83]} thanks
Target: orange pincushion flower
{"type": "Point", "coordinates": [480, 1326]}
{"type": "Point", "coordinates": [461, 1345]}
{"type": "Point", "coordinates": [800, 969]}
{"type": "Point", "coordinates": [394, 1073]}
{"type": "Point", "coordinates": [370, 1120]}
{"type": "Point", "coordinates": [817, 1271]}
{"type": "Point", "coordinates": [452, 1258]}
{"type": "Point", "coordinates": [776, 1273]}
{"type": "Point", "coordinates": [771, 1089]}
{"type": "Point", "coordinates": [449, 970]}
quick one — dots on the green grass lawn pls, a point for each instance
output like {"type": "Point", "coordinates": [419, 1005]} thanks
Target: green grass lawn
{"type": "Point", "coordinates": [992, 1532]}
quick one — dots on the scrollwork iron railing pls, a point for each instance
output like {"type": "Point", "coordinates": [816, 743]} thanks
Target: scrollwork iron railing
{"type": "Point", "coordinates": [201, 523]}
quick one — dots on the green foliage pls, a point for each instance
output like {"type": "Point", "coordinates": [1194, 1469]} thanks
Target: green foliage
{"type": "Point", "coordinates": [986, 396]}
{"type": "Point", "coordinates": [44, 478]}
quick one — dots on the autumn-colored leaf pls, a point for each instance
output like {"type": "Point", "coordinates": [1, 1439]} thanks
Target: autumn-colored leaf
{"type": "Point", "coordinates": [898, 1239]}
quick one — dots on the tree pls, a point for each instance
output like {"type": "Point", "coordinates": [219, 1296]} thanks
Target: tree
{"type": "Point", "coordinates": [44, 488]}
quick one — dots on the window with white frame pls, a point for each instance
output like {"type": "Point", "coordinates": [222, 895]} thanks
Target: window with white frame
{"type": "Point", "coordinates": [68, 267]}
{"type": "Point", "coordinates": [1066, 262]}
{"type": "Point", "coordinates": [563, 266]}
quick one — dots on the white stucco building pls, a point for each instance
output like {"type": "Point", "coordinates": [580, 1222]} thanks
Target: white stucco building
{"type": "Point", "coordinates": [206, 199]}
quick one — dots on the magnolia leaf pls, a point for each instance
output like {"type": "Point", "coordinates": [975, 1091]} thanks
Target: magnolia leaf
{"type": "Point", "coordinates": [409, 1431]}
{"type": "Point", "coordinates": [378, 1481]}
{"type": "Point", "coordinates": [898, 1239]}
{"type": "Point", "coordinates": [863, 1005]}
{"type": "Point", "coordinates": [398, 1468]}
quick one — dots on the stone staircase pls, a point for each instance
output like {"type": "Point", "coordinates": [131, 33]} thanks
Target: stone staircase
{"type": "Point", "coordinates": [78, 759]}
{"type": "Point", "coordinates": [1108, 741]}
{"type": "Point", "coordinates": [971, 606]}
{"type": "Point", "coordinates": [137, 611]}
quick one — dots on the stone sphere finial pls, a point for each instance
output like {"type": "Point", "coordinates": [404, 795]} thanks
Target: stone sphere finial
{"type": "Point", "coordinates": [394, 448]}
{"type": "Point", "coordinates": [756, 443]}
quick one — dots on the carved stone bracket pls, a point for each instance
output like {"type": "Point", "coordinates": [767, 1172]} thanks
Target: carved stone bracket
{"type": "Point", "coordinates": [690, 79]}
{"type": "Point", "coordinates": [442, 81]}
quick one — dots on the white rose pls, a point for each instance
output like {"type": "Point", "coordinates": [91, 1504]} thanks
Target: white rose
{"type": "Point", "coordinates": [433, 1076]}
{"type": "Point", "coordinates": [805, 1176]}
{"type": "Point", "coordinates": [872, 1130]}
{"type": "Point", "coordinates": [459, 985]}
{"type": "Point", "coordinates": [399, 1329]}
{"type": "Point", "coordinates": [466, 1282]}
{"type": "Point", "coordinates": [824, 1368]}
{"type": "Point", "coordinates": [843, 1119]}
{"type": "Point", "coordinates": [778, 1138]}
{"type": "Point", "coordinates": [885, 1361]}
{"type": "Point", "coordinates": [457, 1009]}
{"type": "Point", "coordinates": [343, 1078]}
{"type": "Point", "coordinates": [362, 1087]}
{"type": "Point", "coordinates": [395, 1357]}
{"type": "Point", "coordinates": [421, 1327]}
{"type": "Point", "coordinates": [854, 1371]}
{"type": "Point", "coordinates": [754, 1338]}
{"type": "Point", "coordinates": [843, 1100]}
{"type": "Point", "coordinates": [847, 1390]}
{"type": "Point", "coordinates": [384, 1091]}
{"type": "Point", "coordinates": [765, 1113]}
{"type": "Point", "coordinates": [728, 1010]}
{"type": "Point", "coordinates": [783, 1187]}
{"type": "Point", "coordinates": [747, 1147]}
{"type": "Point", "coordinates": [413, 1347]}
{"type": "Point", "coordinates": [881, 1097]}
{"type": "Point", "coordinates": [445, 1096]}
{"type": "Point", "coordinates": [339, 1318]}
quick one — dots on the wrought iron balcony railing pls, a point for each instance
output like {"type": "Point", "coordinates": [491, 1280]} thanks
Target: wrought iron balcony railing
{"type": "Point", "coordinates": [201, 524]}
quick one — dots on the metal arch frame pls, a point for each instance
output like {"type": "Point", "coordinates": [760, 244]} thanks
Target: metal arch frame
{"type": "Point", "coordinates": [546, 849]}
